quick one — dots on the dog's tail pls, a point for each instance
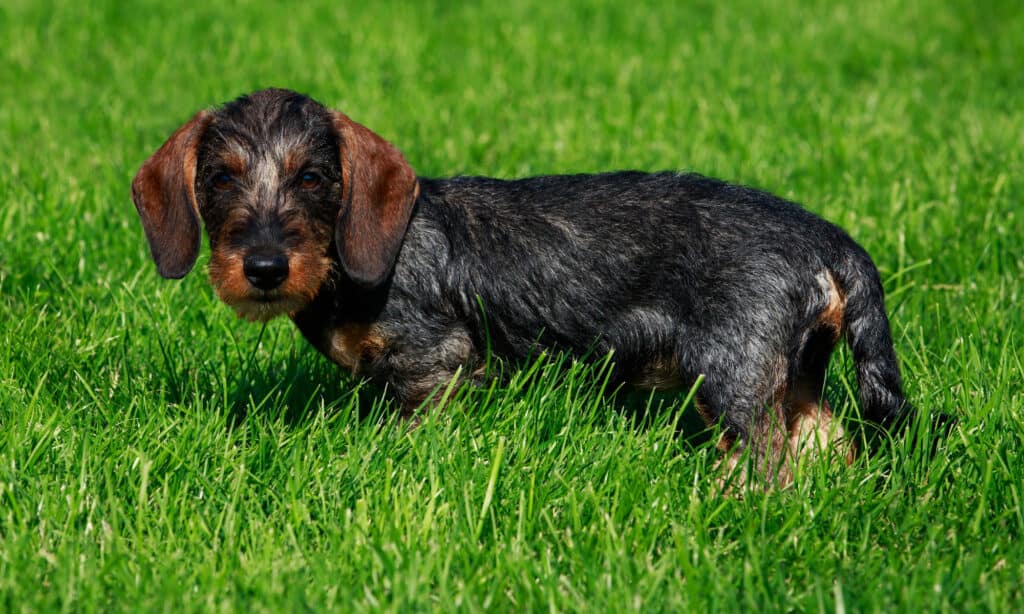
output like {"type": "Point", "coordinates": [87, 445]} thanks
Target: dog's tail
{"type": "Point", "coordinates": [867, 331]}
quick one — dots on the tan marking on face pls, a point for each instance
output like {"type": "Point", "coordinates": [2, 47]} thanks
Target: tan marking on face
{"type": "Point", "coordinates": [235, 161]}
{"type": "Point", "coordinates": [352, 344]}
{"type": "Point", "coordinates": [308, 267]}
{"type": "Point", "coordinates": [227, 276]}
{"type": "Point", "coordinates": [294, 159]}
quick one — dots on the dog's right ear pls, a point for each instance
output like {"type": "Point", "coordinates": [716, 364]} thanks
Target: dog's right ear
{"type": "Point", "coordinates": [164, 192]}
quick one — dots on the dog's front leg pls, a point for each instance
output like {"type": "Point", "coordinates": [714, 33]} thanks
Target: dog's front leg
{"type": "Point", "coordinates": [423, 372]}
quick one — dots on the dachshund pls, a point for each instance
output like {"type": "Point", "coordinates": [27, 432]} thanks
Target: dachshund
{"type": "Point", "coordinates": [413, 281]}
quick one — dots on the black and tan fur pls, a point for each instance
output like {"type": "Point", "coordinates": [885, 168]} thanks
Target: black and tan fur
{"type": "Point", "coordinates": [391, 275]}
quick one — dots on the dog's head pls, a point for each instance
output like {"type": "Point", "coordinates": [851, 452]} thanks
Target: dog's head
{"type": "Point", "coordinates": [286, 189]}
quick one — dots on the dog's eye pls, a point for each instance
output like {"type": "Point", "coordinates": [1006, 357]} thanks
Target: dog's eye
{"type": "Point", "coordinates": [223, 181]}
{"type": "Point", "coordinates": [309, 181]}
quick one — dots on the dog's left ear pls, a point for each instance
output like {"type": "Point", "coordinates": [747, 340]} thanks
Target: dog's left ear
{"type": "Point", "coordinates": [164, 192]}
{"type": "Point", "coordinates": [377, 199]}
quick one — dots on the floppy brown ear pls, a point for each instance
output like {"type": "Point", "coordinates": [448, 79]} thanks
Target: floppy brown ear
{"type": "Point", "coordinates": [378, 193]}
{"type": "Point", "coordinates": [164, 192]}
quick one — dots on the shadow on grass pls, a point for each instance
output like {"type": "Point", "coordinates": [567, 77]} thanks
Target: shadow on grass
{"type": "Point", "coordinates": [649, 409]}
{"type": "Point", "coordinates": [303, 385]}
{"type": "Point", "coordinates": [297, 390]}
{"type": "Point", "coordinates": [560, 385]}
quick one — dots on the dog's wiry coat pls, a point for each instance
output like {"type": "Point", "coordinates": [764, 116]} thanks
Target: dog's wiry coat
{"type": "Point", "coordinates": [408, 279]}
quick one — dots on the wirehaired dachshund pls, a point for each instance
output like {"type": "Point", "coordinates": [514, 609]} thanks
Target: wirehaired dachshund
{"type": "Point", "coordinates": [412, 281]}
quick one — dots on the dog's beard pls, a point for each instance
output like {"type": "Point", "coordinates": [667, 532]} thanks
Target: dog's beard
{"type": "Point", "coordinates": [266, 308]}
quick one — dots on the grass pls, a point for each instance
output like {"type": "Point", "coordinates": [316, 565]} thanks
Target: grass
{"type": "Point", "coordinates": [156, 453]}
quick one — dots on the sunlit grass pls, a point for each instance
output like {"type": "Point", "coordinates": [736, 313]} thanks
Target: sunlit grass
{"type": "Point", "coordinates": [157, 453]}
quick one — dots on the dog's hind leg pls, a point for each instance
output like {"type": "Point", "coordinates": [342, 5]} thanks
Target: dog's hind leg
{"type": "Point", "coordinates": [812, 431]}
{"type": "Point", "coordinates": [743, 393]}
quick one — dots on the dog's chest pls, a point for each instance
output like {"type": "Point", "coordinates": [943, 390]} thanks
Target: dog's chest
{"type": "Point", "coordinates": [353, 345]}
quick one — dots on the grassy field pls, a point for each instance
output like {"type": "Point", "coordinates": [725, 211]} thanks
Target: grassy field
{"type": "Point", "coordinates": [156, 453]}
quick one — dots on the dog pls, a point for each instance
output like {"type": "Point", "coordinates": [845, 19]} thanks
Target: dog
{"type": "Point", "coordinates": [411, 281]}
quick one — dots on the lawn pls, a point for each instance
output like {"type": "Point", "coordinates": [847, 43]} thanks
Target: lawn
{"type": "Point", "coordinates": [157, 453]}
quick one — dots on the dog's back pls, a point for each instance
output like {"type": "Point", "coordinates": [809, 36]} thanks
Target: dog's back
{"type": "Point", "coordinates": [565, 259]}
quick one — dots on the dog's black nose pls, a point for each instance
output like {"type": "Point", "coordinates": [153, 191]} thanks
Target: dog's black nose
{"type": "Point", "coordinates": [266, 272]}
